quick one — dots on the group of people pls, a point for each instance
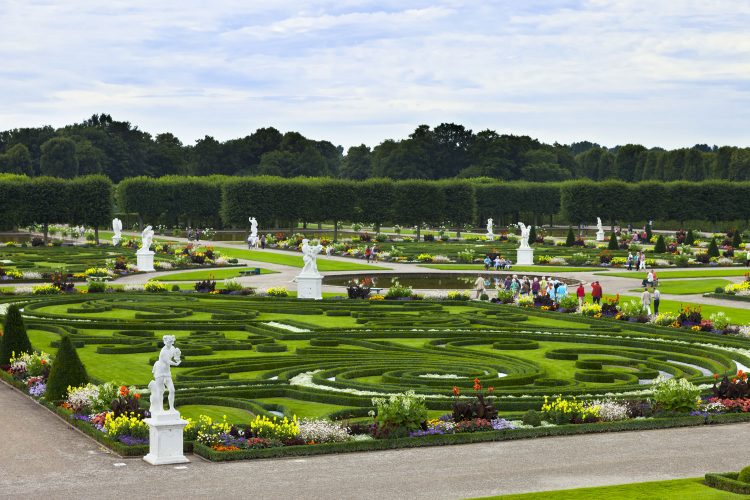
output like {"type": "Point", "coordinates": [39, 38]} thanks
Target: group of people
{"type": "Point", "coordinates": [194, 234]}
{"type": "Point", "coordinates": [371, 253]}
{"type": "Point", "coordinates": [546, 287]}
{"type": "Point", "coordinates": [498, 263]}
{"type": "Point", "coordinates": [596, 293]}
{"type": "Point", "coordinates": [637, 261]}
{"type": "Point", "coordinates": [256, 242]}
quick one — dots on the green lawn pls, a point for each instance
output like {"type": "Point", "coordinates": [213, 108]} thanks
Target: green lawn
{"type": "Point", "coordinates": [527, 269]}
{"type": "Point", "coordinates": [295, 260]}
{"type": "Point", "coordinates": [698, 273]}
{"type": "Point", "coordinates": [677, 489]}
{"type": "Point", "coordinates": [234, 415]}
{"type": "Point", "coordinates": [689, 287]}
{"type": "Point", "coordinates": [737, 315]}
{"type": "Point", "coordinates": [215, 274]}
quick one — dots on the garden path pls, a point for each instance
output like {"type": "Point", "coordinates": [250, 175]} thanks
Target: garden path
{"type": "Point", "coordinates": [42, 457]}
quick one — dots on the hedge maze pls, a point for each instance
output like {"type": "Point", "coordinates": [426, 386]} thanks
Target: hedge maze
{"type": "Point", "coordinates": [331, 357]}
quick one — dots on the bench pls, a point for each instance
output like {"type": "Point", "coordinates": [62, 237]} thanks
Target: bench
{"type": "Point", "coordinates": [250, 272]}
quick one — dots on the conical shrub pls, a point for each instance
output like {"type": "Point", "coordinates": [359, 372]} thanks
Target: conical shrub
{"type": "Point", "coordinates": [689, 237]}
{"type": "Point", "coordinates": [661, 246]}
{"type": "Point", "coordinates": [613, 244]}
{"type": "Point", "coordinates": [14, 340]}
{"type": "Point", "coordinates": [713, 248]}
{"type": "Point", "coordinates": [67, 370]}
{"type": "Point", "coordinates": [532, 235]}
{"type": "Point", "coordinates": [737, 239]}
{"type": "Point", "coordinates": [571, 239]}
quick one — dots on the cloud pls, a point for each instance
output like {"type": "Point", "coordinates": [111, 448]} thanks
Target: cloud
{"type": "Point", "coordinates": [670, 72]}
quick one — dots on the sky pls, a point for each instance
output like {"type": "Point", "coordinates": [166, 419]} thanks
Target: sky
{"type": "Point", "coordinates": [668, 73]}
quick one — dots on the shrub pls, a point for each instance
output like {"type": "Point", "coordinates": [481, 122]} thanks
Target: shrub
{"type": "Point", "coordinates": [97, 287]}
{"type": "Point", "coordinates": [661, 246]}
{"type": "Point", "coordinates": [613, 243]}
{"type": "Point", "coordinates": [456, 295]}
{"type": "Point", "coordinates": [67, 370]}
{"type": "Point", "coordinates": [563, 411]}
{"type": "Point", "coordinates": [397, 291]}
{"type": "Point", "coordinates": [570, 240]}
{"type": "Point", "coordinates": [744, 475]}
{"type": "Point", "coordinates": [45, 289]}
{"type": "Point", "coordinates": [125, 425]}
{"type": "Point", "coordinates": [737, 240]}
{"type": "Point", "coordinates": [278, 291]}
{"type": "Point", "coordinates": [15, 340]}
{"type": "Point", "coordinates": [175, 287]}
{"type": "Point", "coordinates": [713, 249]}
{"type": "Point", "coordinates": [578, 259]}
{"type": "Point", "coordinates": [399, 414]}
{"type": "Point", "coordinates": [681, 260]}
{"type": "Point", "coordinates": [676, 395]}
{"type": "Point", "coordinates": [533, 418]}
{"type": "Point", "coordinates": [155, 287]}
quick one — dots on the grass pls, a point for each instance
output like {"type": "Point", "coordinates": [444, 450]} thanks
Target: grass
{"type": "Point", "coordinates": [698, 273]}
{"type": "Point", "coordinates": [527, 269]}
{"type": "Point", "coordinates": [683, 489]}
{"type": "Point", "coordinates": [689, 287]}
{"type": "Point", "coordinates": [737, 315]}
{"type": "Point", "coordinates": [214, 274]}
{"type": "Point", "coordinates": [234, 415]}
{"type": "Point", "coordinates": [295, 260]}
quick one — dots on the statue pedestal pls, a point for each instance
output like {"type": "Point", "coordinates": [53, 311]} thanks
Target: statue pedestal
{"type": "Point", "coordinates": [165, 439]}
{"type": "Point", "coordinates": [145, 260]}
{"type": "Point", "coordinates": [489, 236]}
{"type": "Point", "coordinates": [600, 236]}
{"type": "Point", "coordinates": [525, 257]}
{"type": "Point", "coordinates": [116, 240]}
{"type": "Point", "coordinates": [309, 287]}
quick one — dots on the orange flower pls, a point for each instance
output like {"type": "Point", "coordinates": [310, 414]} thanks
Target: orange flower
{"type": "Point", "coordinates": [477, 385]}
{"type": "Point", "coordinates": [490, 389]}
{"type": "Point", "coordinates": [716, 376]}
{"type": "Point", "coordinates": [137, 396]}
{"type": "Point", "coordinates": [43, 362]}
{"type": "Point", "coordinates": [456, 391]}
{"type": "Point", "coordinates": [124, 391]}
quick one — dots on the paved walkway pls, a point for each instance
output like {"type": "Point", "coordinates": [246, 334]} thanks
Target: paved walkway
{"type": "Point", "coordinates": [42, 457]}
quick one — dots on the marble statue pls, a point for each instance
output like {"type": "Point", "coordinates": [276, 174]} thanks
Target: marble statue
{"type": "Point", "coordinates": [490, 235]}
{"type": "Point", "coordinates": [599, 226]}
{"type": "Point", "coordinates": [253, 239]}
{"type": "Point", "coordinates": [525, 230]}
{"type": "Point", "coordinates": [117, 228]}
{"type": "Point", "coordinates": [169, 356]}
{"type": "Point", "coordinates": [147, 236]}
{"type": "Point", "coordinates": [310, 257]}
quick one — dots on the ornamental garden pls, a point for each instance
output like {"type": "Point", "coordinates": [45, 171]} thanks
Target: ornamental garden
{"type": "Point", "coordinates": [369, 367]}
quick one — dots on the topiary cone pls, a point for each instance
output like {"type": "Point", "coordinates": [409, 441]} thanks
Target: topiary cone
{"type": "Point", "coordinates": [661, 246]}
{"type": "Point", "coordinates": [744, 475]}
{"type": "Point", "coordinates": [613, 244]}
{"type": "Point", "coordinates": [713, 248]}
{"type": "Point", "coordinates": [14, 340]}
{"type": "Point", "coordinates": [67, 370]}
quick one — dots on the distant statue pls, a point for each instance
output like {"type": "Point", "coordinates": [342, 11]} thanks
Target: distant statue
{"type": "Point", "coordinates": [147, 236]}
{"type": "Point", "coordinates": [489, 227]}
{"type": "Point", "coordinates": [525, 230]}
{"type": "Point", "coordinates": [253, 240]}
{"type": "Point", "coordinates": [599, 224]}
{"type": "Point", "coordinates": [168, 357]}
{"type": "Point", "coordinates": [310, 257]}
{"type": "Point", "coordinates": [117, 228]}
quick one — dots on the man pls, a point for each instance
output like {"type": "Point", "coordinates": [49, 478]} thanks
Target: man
{"type": "Point", "coordinates": [657, 298]}
{"type": "Point", "coordinates": [650, 278]}
{"type": "Point", "coordinates": [263, 241]}
{"type": "Point", "coordinates": [596, 292]}
{"type": "Point", "coordinates": [479, 286]}
{"type": "Point", "coordinates": [581, 294]}
{"type": "Point", "coordinates": [646, 301]}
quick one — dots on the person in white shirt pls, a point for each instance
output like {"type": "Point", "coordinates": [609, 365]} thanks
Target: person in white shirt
{"type": "Point", "coordinates": [646, 301]}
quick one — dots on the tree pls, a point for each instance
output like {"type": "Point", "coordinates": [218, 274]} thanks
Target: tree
{"type": "Point", "coordinates": [17, 160]}
{"type": "Point", "coordinates": [661, 246]}
{"type": "Point", "coordinates": [59, 158]}
{"type": "Point", "coordinates": [14, 341]}
{"type": "Point", "coordinates": [626, 161]}
{"type": "Point", "coordinates": [532, 235]}
{"type": "Point", "coordinates": [713, 249]}
{"type": "Point", "coordinates": [357, 163]}
{"type": "Point", "coordinates": [91, 200]}
{"type": "Point", "coordinates": [67, 370]}
{"type": "Point", "coordinates": [613, 244]}
{"type": "Point", "coordinates": [689, 237]}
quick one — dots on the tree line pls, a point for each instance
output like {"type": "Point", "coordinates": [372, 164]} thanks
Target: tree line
{"type": "Point", "coordinates": [119, 150]}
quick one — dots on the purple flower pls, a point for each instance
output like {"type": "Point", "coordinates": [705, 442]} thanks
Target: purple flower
{"type": "Point", "coordinates": [429, 432]}
{"type": "Point", "coordinates": [37, 390]}
{"type": "Point", "coordinates": [500, 424]}
{"type": "Point", "coordinates": [132, 441]}
{"type": "Point", "coordinates": [83, 418]}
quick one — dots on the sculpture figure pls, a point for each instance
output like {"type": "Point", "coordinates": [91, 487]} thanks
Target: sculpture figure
{"type": "Point", "coordinates": [525, 230]}
{"type": "Point", "coordinates": [253, 239]}
{"type": "Point", "coordinates": [599, 224]}
{"type": "Point", "coordinates": [169, 356]}
{"type": "Point", "coordinates": [489, 226]}
{"type": "Point", "coordinates": [310, 257]}
{"type": "Point", "coordinates": [147, 236]}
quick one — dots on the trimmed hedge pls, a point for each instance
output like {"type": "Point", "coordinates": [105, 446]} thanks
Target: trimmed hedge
{"type": "Point", "coordinates": [727, 481]}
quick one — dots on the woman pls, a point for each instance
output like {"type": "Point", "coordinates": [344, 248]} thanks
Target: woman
{"type": "Point", "coordinates": [169, 356]}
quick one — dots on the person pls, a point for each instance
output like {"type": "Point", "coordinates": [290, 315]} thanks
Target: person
{"type": "Point", "coordinates": [642, 260]}
{"type": "Point", "coordinates": [168, 356]}
{"type": "Point", "coordinates": [368, 254]}
{"type": "Point", "coordinates": [497, 262]}
{"type": "Point", "coordinates": [535, 287]}
{"type": "Point", "coordinates": [198, 233]}
{"type": "Point", "coordinates": [525, 286]}
{"type": "Point", "coordinates": [650, 278]}
{"type": "Point", "coordinates": [190, 234]}
{"type": "Point", "coordinates": [656, 299]}
{"type": "Point", "coordinates": [646, 301]}
{"type": "Point", "coordinates": [550, 291]}
{"type": "Point", "coordinates": [507, 283]}
{"type": "Point", "coordinates": [374, 253]}
{"type": "Point", "coordinates": [263, 241]}
{"type": "Point", "coordinates": [487, 262]}
{"type": "Point", "coordinates": [561, 292]}
{"type": "Point", "coordinates": [630, 261]}
{"type": "Point", "coordinates": [479, 286]}
{"type": "Point", "coordinates": [515, 286]}
{"type": "Point", "coordinates": [581, 294]}
{"type": "Point", "coordinates": [596, 292]}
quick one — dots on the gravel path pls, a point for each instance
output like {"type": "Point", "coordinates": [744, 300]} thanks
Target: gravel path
{"type": "Point", "coordinates": [45, 458]}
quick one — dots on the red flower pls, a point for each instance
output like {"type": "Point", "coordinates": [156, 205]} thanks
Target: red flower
{"type": "Point", "coordinates": [456, 391]}
{"type": "Point", "coordinates": [490, 389]}
{"type": "Point", "coordinates": [716, 376]}
{"type": "Point", "coordinates": [477, 385]}
{"type": "Point", "coordinates": [124, 391]}
{"type": "Point", "coordinates": [43, 362]}
{"type": "Point", "coordinates": [137, 396]}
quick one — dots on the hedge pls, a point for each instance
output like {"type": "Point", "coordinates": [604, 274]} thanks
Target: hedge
{"type": "Point", "coordinates": [727, 481]}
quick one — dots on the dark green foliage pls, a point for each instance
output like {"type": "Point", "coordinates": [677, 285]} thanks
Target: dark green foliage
{"type": "Point", "coordinates": [744, 475]}
{"type": "Point", "coordinates": [59, 158]}
{"type": "Point", "coordinates": [533, 236]}
{"type": "Point", "coordinates": [613, 244]}
{"type": "Point", "coordinates": [737, 239]}
{"type": "Point", "coordinates": [14, 340]}
{"type": "Point", "coordinates": [67, 370]}
{"type": "Point", "coordinates": [728, 482]}
{"type": "Point", "coordinates": [689, 237]}
{"type": "Point", "coordinates": [713, 248]}
{"type": "Point", "coordinates": [660, 246]}
{"type": "Point", "coordinates": [570, 240]}
{"type": "Point", "coordinates": [649, 233]}
{"type": "Point", "coordinates": [533, 418]}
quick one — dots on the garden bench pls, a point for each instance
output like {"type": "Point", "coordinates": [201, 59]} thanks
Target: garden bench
{"type": "Point", "coordinates": [250, 272]}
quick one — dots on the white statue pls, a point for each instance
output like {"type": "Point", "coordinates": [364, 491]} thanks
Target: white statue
{"type": "Point", "coordinates": [310, 257]}
{"type": "Point", "coordinates": [525, 230]}
{"type": "Point", "coordinates": [489, 228]}
{"type": "Point", "coordinates": [169, 356]}
{"type": "Point", "coordinates": [147, 236]}
{"type": "Point", "coordinates": [599, 224]}
{"type": "Point", "coordinates": [117, 228]}
{"type": "Point", "coordinates": [253, 239]}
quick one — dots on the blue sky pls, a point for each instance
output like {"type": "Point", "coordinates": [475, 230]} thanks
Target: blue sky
{"type": "Point", "coordinates": [666, 72]}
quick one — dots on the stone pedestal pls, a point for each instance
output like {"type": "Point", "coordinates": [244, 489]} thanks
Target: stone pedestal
{"type": "Point", "coordinates": [489, 236]}
{"type": "Point", "coordinates": [144, 260]}
{"type": "Point", "coordinates": [525, 257]}
{"type": "Point", "coordinates": [309, 287]}
{"type": "Point", "coordinates": [165, 439]}
{"type": "Point", "coordinates": [600, 236]}
{"type": "Point", "coordinates": [116, 240]}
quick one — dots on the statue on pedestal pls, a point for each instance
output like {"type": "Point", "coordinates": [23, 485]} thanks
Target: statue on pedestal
{"type": "Point", "coordinates": [253, 240]}
{"type": "Point", "coordinates": [490, 235]}
{"type": "Point", "coordinates": [310, 258]}
{"type": "Point", "coordinates": [117, 228]}
{"type": "Point", "coordinates": [525, 230]}
{"type": "Point", "coordinates": [599, 230]}
{"type": "Point", "coordinates": [147, 236]}
{"type": "Point", "coordinates": [169, 356]}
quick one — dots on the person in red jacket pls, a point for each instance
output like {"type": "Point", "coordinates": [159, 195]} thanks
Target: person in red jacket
{"type": "Point", "coordinates": [596, 292]}
{"type": "Point", "coordinates": [581, 293]}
